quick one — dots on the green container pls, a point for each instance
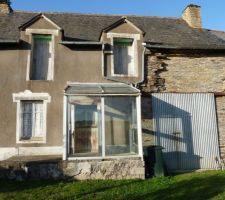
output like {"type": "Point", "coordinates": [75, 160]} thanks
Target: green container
{"type": "Point", "coordinates": [153, 157]}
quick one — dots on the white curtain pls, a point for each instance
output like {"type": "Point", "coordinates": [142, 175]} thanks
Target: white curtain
{"type": "Point", "coordinates": [123, 60]}
{"type": "Point", "coordinates": [41, 59]}
{"type": "Point", "coordinates": [32, 119]}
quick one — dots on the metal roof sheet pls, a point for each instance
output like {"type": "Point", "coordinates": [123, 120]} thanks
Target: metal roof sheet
{"type": "Point", "coordinates": [101, 89]}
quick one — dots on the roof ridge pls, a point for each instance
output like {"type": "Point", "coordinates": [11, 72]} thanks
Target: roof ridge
{"type": "Point", "coordinates": [98, 14]}
{"type": "Point", "coordinates": [220, 31]}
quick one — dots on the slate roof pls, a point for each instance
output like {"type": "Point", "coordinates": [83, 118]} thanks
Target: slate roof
{"type": "Point", "coordinates": [159, 31]}
{"type": "Point", "coordinates": [220, 34]}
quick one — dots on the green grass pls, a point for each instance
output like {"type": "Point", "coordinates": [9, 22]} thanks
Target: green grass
{"type": "Point", "coordinates": [192, 186]}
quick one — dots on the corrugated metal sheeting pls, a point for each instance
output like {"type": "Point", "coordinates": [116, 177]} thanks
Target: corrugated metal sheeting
{"type": "Point", "coordinates": [185, 125]}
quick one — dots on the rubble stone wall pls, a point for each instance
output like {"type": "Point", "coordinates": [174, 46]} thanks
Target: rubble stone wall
{"type": "Point", "coordinates": [132, 168]}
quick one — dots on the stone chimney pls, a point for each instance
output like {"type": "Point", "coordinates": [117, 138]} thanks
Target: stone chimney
{"type": "Point", "coordinates": [192, 15]}
{"type": "Point", "coordinates": [5, 7]}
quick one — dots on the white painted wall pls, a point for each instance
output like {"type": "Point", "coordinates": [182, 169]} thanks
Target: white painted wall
{"type": "Point", "coordinates": [6, 153]}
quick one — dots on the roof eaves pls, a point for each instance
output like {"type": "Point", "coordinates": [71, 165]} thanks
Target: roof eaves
{"type": "Point", "coordinates": [31, 21]}
{"type": "Point", "coordinates": [170, 47]}
{"type": "Point", "coordinates": [123, 19]}
{"type": "Point", "coordinates": [9, 41]}
{"type": "Point", "coordinates": [37, 17]}
{"type": "Point", "coordinates": [85, 43]}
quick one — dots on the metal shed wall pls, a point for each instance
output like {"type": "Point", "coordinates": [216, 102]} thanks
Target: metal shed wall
{"type": "Point", "coordinates": [186, 126]}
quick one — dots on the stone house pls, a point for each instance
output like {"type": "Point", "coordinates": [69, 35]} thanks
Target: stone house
{"type": "Point", "coordinates": [94, 89]}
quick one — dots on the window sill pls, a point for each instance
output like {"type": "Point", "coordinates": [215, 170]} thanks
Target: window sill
{"type": "Point", "coordinates": [125, 76]}
{"type": "Point", "coordinates": [32, 140]}
{"type": "Point", "coordinates": [41, 81]}
{"type": "Point", "coordinates": [70, 157]}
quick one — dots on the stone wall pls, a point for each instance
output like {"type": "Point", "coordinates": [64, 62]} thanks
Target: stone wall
{"type": "Point", "coordinates": [220, 105]}
{"type": "Point", "coordinates": [147, 121]}
{"type": "Point", "coordinates": [192, 16]}
{"type": "Point", "coordinates": [132, 168]}
{"type": "Point", "coordinates": [4, 8]}
{"type": "Point", "coordinates": [184, 73]}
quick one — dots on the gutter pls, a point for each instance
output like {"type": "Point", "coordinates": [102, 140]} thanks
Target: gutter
{"type": "Point", "coordinates": [8, 41]}
{"type": "Point", "coordinates": [82, 43]}
{"type": "Point", "coordinates": [152, 46]}
{"type": "Point", "coordinates": [143, 66]}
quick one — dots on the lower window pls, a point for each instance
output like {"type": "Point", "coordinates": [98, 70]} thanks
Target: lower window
{"type": "Point", "coordinates": [32, 120]}
{"type": "Point", "coordinates": [102, 126]}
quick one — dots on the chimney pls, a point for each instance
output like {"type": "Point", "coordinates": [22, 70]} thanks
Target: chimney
{"type": "Point", "coordinates": [5, 7]}
{"type": "Point", "coordinates": [192, 15]}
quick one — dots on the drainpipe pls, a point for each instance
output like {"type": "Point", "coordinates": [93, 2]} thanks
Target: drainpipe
{"type": "Point", "coordinates": [103, 66]}
{"type": "Point", "coordinates": [143, 66]}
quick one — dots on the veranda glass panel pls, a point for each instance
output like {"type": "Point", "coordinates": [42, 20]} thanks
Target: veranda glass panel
{"type": "Point", "coordinates": [85, 131]}
{"type": "Point", "coordinates": [121, 126]}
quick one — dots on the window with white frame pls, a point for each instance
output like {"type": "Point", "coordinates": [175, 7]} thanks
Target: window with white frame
{"type": "Point", "coordinates": [41, 57]}
{"type": "Point", "coordinates": [110, 129]}
{"type": "Point", "coordinates": [31, 116]}
{"type": "Point", "coordinates": [123, 52]}
{"type": "Point", "coordinates": [124, 59]}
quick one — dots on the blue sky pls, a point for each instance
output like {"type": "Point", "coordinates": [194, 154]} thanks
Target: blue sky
{"type": "Point", "coordinates": [213, 13]}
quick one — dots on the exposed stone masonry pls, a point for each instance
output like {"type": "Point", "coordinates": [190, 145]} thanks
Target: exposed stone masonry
{"type": "Point", "coordinates": [192, 16]}
{"type": "Point", "coordinates": [220, 104]}
{"type": "Point", "coordinates": [5, 8]}
{"type": "Point", "coordinates": [155, 65]}
{"type": "Point", "coordinates": [132, 168]}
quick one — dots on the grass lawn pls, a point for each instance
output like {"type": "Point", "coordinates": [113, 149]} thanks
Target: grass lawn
{"type": "Point", "coordinates": [204, 185]}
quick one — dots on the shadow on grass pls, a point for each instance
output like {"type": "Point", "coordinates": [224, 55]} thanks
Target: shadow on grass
{"type": "Point", "coordinates": [68, 189]}
{"type": "Point", "coordinates": [18, 186]}
{"type": "Point", "coordinates": [197, 188]}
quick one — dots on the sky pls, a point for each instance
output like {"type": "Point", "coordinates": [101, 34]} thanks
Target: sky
{"type": "Point", "coordinates": [212, 11]}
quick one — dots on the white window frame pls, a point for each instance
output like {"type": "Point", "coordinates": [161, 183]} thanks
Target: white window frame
{"type": "Point", "coordinates": [27, 95]}
{"type": "Point", "coordinates": [54, 34]}
{"type": "Point", "coordinates": [103, 156]}
{"type": "Point", "coordinates": [135, 38]}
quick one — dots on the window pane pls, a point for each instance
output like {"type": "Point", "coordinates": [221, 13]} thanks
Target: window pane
{"type": "Point", "coordinates": [121, 125]}
{"type": "Point", "coordinates": [31, 119]}
{"type": "Point", "coordinates": [26, 126]}
{"type": "Point", "coordinates": [85, 120]}
{"type": "Point", "coordinates": [123, 56]}
{"type": "Point", "coordinates": [38, 119]}
{"type": "Point", "coordinates": [40, 57]}
{"type": "Point", "coordinates": [120, 59]}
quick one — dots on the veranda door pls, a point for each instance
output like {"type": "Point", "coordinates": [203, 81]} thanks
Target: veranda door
{"type": "Point", "coordinates": [86, 128]}
{"type": "Point", "coordinates": [85, 121]}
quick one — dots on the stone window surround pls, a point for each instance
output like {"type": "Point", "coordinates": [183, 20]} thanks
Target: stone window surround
{"type": "Point", "coordinates": [53, 33]}
{"type": "Point", "coordinates": [135, 38]}
{"type": "Point", "coordinates": [28, 95]}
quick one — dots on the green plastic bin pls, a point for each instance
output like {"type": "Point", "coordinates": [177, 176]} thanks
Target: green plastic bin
{"type": "Point", "coordinates": [154, 165]}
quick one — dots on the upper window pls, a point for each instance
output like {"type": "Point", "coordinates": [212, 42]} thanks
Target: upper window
{"type": "Point", "coordinates": [124, 59]}
{"type": "Point", "coordinates": [41, 60]}
{"type": "Point", "coordinates": [123, 51]}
